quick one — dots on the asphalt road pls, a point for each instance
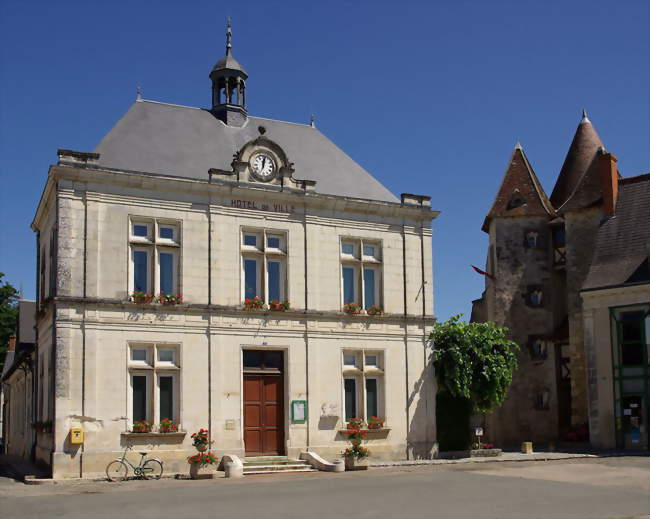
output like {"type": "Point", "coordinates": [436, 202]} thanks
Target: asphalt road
{"type": "Point", "coordinates": [593, 489]}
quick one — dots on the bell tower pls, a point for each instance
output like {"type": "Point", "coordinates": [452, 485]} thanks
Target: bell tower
{"type": "Point", "coordinates": [229, 87]}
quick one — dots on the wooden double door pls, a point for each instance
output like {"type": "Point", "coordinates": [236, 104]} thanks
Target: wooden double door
{"type": "Point", "coordinates": [263, 414]}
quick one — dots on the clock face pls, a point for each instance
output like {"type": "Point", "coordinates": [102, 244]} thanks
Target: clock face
{"type": "Point", "coordinates": [263, 166]}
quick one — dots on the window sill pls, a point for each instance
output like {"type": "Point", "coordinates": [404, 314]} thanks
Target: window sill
{"type": "Point", "coordinates": [371, 434]}
{"type": "Point", "coordinates": [178, 436]}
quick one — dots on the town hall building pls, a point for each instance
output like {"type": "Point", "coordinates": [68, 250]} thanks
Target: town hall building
{"type": "Point", "coordinates": [233, 273]}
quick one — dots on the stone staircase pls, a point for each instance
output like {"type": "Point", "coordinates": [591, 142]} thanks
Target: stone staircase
{"type": "Point", "coordinates": [275, 465]}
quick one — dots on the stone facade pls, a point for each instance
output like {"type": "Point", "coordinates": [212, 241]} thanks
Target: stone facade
{"type": "Point", "coordinates": [85, 329]}
{"type": "Point", "coordinates": [230, 200]}
{"type": "Point", "coordinates": [549, 391]}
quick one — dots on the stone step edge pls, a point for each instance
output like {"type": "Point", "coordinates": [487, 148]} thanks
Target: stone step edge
{"type": "Point", "coordinates": [278, 467]}
{"type": "Point", "coordinates": [254, 472]}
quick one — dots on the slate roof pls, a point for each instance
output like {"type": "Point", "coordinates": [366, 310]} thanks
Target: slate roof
{"type": "Point", "coordinates": [186, 142]}
{"type": "Point", "coordinates": [623, 242]}
{"type": "Point", "coordinates": [519, 176]}
{"type": "Point", "coordinates": [579, 158]}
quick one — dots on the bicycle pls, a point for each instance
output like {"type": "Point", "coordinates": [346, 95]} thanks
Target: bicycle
{"type": "Point", "coordinates": [149, 468]}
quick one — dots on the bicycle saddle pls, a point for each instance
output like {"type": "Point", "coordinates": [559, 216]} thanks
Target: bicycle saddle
{"type": "Point", "coordinates": [142, 453]}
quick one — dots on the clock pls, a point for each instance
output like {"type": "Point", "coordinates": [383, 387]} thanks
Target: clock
{"type": "Point", "coordinates": [263, 166]}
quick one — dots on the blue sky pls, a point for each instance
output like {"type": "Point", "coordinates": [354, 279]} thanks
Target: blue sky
{"type": "Point", "coordinates": [430, 97]}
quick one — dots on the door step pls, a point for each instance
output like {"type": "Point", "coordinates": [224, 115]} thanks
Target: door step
{"type": "Point", "coordinates": [274, 465]}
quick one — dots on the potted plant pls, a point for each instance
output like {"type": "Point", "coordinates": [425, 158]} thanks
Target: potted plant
{"type": "Point", "coordinates": [375, 423]}
{"type": "Point", "coordinates": [167, 425]}
{"type": "Point", "coordinates": [170, 299]}
{"type": "Point", "coordinates": [199, 461]}
{"type": "Point", "coordinates": [278, 306]}
{"type": "Point", "coordinates": [352, 308]}
{"type": "Point", "coordinates": [141, 297]}
{"type": "Point", "coordinates": [142, 426]}
{"type": "Point", "coordinates": [356, 458]}
{"type": "Point", "coordinates": [254, 303]}
{"type": "Point", "coordinates": [200, 440]}
{"type": "Point", "coordinates": [374, 310]}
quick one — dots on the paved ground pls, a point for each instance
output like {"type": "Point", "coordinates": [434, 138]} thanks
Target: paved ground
{"type": "Point", "coordinates": [593, 488]}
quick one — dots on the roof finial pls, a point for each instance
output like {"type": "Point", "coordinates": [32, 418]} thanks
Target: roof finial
{"type": "Point", "coordinates": [138, 94]}
{"type": "Point", "coordinates": [585, 119]}
{"type": "Point", "coordinates": [518, 146]}
{"type": "Point", "coordinates": [312, 121]}
{"type": "Point", "coordinates": [228, 37]}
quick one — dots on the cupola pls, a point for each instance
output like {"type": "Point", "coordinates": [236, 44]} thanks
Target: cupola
{"type": "Point", "coordinates": [229, 87]}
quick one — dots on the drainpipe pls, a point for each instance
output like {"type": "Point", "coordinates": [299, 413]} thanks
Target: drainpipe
{"type": "Point", "coordinates": [209, 329]}
{"type": "Point", "coordinates": [406, 353]}
{"type": "Point", "coordinates": [304, 229]}
{"type": "Point", "coordinates": [83, 329]}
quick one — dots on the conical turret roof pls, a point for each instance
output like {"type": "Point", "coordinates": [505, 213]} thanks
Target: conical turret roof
{"type": "Point", "coordinates": [581, 154]}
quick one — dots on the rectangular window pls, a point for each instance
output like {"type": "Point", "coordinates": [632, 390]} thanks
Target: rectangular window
{"type": "Point", "coordinates": [273, 268]}
{"type": "Point", "coordinates": [371, 360]}
{"type": "Point", "coordinates": [166, 268]}
{"type": "Point", "coordinates": [264, 266]}
{"type": "Point", "coordinates": [154, 390]}
{"type": "Point", "coordinates": [371, 398]}
{"type": "Point", "coordinates": [369, 287]}
{"type": "Point", "coordinates": [166, 383]}
{"type": "Point", "coordinates": [347, 248]}
{"type": "Point", "coordinates": [273, 242]}
{"type": "Point", "coordinates": [139, 354]}
{"type": "Point", "coordinates": [363, 384]}
{"type": "Point", "coordinates": [166, 232]}
{"type": "Point", "coordinates": [251, 278]}
{"type": "Point", "coordinates": [250, 240]}
{"type": "Point", "coordinates": [166, 355]}
{"type": "Point", "coordinates": [139, 383]}
{"type": "Point", "coordinates": [361, 276]}
{"type": "Point", "coordinates": [350, 398]}
{"type": "Point", "coordinates": [141, 230]}
{"type": "Point", "coordinates": [349, 293]}
{"type": "Point", "coordinates": [141, 271]}
{"type": "Point", "coordinates": [155, 257]}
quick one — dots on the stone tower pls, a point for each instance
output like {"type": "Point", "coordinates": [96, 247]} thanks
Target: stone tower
{"type": "Point", "coordinates": [539, 254]}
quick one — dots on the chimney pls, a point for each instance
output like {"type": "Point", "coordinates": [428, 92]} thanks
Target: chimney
{"type": "Point", "coordinates": [609, 180]}
{"type": "Point", "coordinates": [12, 343]}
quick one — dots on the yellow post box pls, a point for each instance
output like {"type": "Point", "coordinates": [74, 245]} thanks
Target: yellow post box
{"type": "Point", "coordinates": [76, 435]}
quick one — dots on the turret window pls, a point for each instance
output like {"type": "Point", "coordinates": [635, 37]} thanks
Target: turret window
{"type": "Point", "coordinates": [534, 296]}
{"type": "Point", "coordinates": [531, 240]}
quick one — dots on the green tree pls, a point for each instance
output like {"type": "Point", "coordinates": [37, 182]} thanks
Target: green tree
{"type": "Point", "coordinates": [8, 316]}
{"type": "Point", "coordinates": [474, 361]}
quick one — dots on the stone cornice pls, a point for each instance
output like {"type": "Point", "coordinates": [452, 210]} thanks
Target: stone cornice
{"type": "Point", "coordinates": [219, 187]}
{"type": "Point", "coordinates": [238, 311]}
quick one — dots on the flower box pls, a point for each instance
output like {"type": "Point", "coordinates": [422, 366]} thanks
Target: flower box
{"type": "Point", "coordinates": [170, 299]}
{"type": "Point", "coordinates": [352, 308]}
{"type": "Point", "coordinates": [142, 426]}
{"type": "Point", "coordinates": [375, 423]}
{"type": "Point", "coordinates": [168, 426]}
{"type": "Point", "coordinates": [278, 306]}
{"type": "Point", "coordinates": [255, 303]}
{"type": "Point", "coordinates": [142, 297]}
{"type": "Point", "coordinates": [374, 310]}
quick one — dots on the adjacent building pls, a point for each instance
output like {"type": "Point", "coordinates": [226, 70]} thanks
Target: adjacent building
{"type": "Point", "coordinates": [561, 270]}
{"type": "Point", "coordinates": [215, 211]}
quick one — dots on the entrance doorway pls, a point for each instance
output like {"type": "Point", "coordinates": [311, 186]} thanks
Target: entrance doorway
{"type": "Point", "coordinates": [263, 402]}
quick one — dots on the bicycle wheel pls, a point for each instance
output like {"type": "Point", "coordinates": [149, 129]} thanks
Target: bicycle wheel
{"type": "Point", "coordinates": [117, 471]}
{"type": "Point", "coordinates": [152, 469]}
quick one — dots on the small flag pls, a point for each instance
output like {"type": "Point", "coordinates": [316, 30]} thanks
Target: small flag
{"type": "Point", "coordinates": [482, 272]}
